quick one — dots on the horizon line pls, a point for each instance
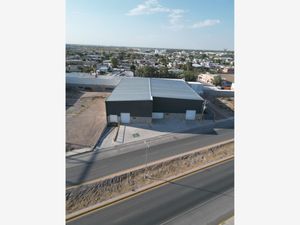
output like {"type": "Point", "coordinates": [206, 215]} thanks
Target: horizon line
{"type": "Point", "coordinates": [97, 45]}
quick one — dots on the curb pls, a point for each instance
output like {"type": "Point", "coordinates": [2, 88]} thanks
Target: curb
{"type": "Point", "coordinates": [153, 163]}
{"type": "Point", "coordinates": [78, 151]}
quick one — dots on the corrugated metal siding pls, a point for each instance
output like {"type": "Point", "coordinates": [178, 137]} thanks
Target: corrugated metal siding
{"type": "Point", "coordinates": [171, 105]}
{"type": "Point", "coordinates": [135, 108]}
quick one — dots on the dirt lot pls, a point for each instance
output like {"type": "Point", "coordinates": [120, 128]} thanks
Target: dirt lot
{"type": "Point", "coordinates": [85, 118]}
{"type": "Point", "coordinates": [228, 77]}
{"type": "Point", "coordinates": [222, 107]}
{"type": "Point", "coordinates": [228, 103]}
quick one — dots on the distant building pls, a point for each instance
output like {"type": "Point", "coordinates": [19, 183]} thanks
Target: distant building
{"type": "Point", "coordinates": [73, 68]}
{"type": "Point", "coordinates": [226, 85]}
{"type": "Point", "coordinates": [206, 78]}
{"type": "Point", "coordinates": [229, 70]}
{"type": "Point", "coordinates": [227, 79]}
{"type": "Point", "coordinates": [175, 71]}
{"type": "Point", "coordinates": [74, 62]}
{"type": "Point", "coordinates": [102, 69]}
{"type": "Point", "coordinates": [161, 51]}
{"type": "Point", "coordinates": [106, 62]}
{"type": "Point", "coordinates": [196, 65]}
{"type": "Point", "coordinates": [127, 73]}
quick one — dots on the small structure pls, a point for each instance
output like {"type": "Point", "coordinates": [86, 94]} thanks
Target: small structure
{"type": "Point", "coordinates": [206, 78]}
{"type": "Point", "coordinates": [229, 70]}
{"type": "Point", "coordinates": [102, 69]}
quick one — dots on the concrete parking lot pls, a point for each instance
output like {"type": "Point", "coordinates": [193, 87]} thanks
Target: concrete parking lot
{"type": "Point", "coordinates": [135, 132]}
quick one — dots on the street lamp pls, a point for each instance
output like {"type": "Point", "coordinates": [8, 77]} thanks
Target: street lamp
{"type": "Point", "coordinates": [146, 158]}
{"type": "Point", "coordinates": [203, 108]}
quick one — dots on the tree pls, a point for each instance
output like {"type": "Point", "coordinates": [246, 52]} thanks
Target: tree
{"type": "Point", "coordinates": [121, 55]}
{"type": "Point", "coordinates": [203, 56]}
{"type": "Point", "coordinates": [133, 68]}
{"type": "Point", "coordinates": [114, 62]}
{"type": "Point", "coordinates": [163, 61]}
{"type": "Point", "coordinates": [147, 71]}
{"type": "Point", "coordinates": [163, 72]}
{"type": "Point", "coordinates": [150, 71]}
{"type": "Point", "coordinates": [189, 76]}
{"type": "Point", "coordinates": [132, 57]}
{"type": "Point", "coordinates": [189, 66]}
{"type": "Point", "coordinates": [139, 72]}
{"type": "Point", "coordinates": [217, 81]}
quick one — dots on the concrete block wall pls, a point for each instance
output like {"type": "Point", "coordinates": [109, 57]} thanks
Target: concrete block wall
{"type": "Point", "coordinates": [180, 116]}
{"type": "Point", "coordinates": [132, 120]}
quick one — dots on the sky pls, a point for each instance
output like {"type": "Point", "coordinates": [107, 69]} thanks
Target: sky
{"type": "Point", "coordinates": [186, 24]}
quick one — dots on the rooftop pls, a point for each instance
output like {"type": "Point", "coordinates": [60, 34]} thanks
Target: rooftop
{"type": "Point", "coordinates": [132, 89]}
{"type": "Point", "coordinates": [172, 88]}
{"type": "Point", "coordinates": [87, 79]}
{"type": "Point", "coordinates": [141, 89]}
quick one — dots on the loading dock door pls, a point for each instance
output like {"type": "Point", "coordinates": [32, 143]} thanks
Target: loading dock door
{"type": "Point", "coordinates": [190, 114]}
{"type": "Point", "coordinates": [113, 118]}
{"type": "Point", "coordinates": [125, 117]}
{"type": "Point", "coordinates": [157, 115]}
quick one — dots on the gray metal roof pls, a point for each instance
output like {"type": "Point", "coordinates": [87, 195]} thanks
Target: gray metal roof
{"type": "Point", "coordinates": [138, 89]}
{"type": "Point", "coordinates": [87, 79]}
{"type": "Point", "coordinates": [172, 88]}
{"type": "Point", "coordinates": [132, 89]}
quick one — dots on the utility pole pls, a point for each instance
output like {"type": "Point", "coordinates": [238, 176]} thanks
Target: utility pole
{"type": "Point", "coordinates": [203, 108]}
{"type": "Point", "coordinates": [146, 158]}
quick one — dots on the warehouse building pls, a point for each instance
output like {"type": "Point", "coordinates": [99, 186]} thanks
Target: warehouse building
{"type": "Point", "coordinates": [87, 82]}
{"type": "Point", "coordinates": [137, 100]}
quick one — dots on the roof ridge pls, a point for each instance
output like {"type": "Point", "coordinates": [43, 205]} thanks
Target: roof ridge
{"type": "Point", "coordinates": [150, 88]}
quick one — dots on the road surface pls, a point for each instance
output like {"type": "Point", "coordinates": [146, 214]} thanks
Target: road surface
{"type": "Point", "coordinates": [92, 165]}
{"type": "Point", "coordinates": [205, 197]}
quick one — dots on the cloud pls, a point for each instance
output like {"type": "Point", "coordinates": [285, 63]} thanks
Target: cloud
{"type": "Point", "coordinates": [147, 8]}
{"type": "Point", "coordinates": [152, 6]}
{"type": "Point", "coordinates": [205, 23]}
{"type": "Point", "coordinates": [175, 19]}
{"type": "Point", "coordinates": [175, 16]}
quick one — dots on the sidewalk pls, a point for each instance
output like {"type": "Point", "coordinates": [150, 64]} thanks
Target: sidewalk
{"type": "Point", "coordinates": [78, 151]}
{"type": "Point", "coordinates": [137, 132]}
{"type": "Point", "coordinates": [108, 146]}
{"type": "Point", "coordinates": [229, 221]}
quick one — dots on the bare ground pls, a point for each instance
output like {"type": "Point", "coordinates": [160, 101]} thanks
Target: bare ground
{"type": "Point", "coordinates": [226, 103]}
{"type": "Point", "coordinates": [85, 118]}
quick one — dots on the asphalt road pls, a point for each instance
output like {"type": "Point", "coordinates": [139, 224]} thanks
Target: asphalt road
{"type": "Point", "coordinates": [202, 198]}
{"type": "Point", "coordinates": [90, 166]}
